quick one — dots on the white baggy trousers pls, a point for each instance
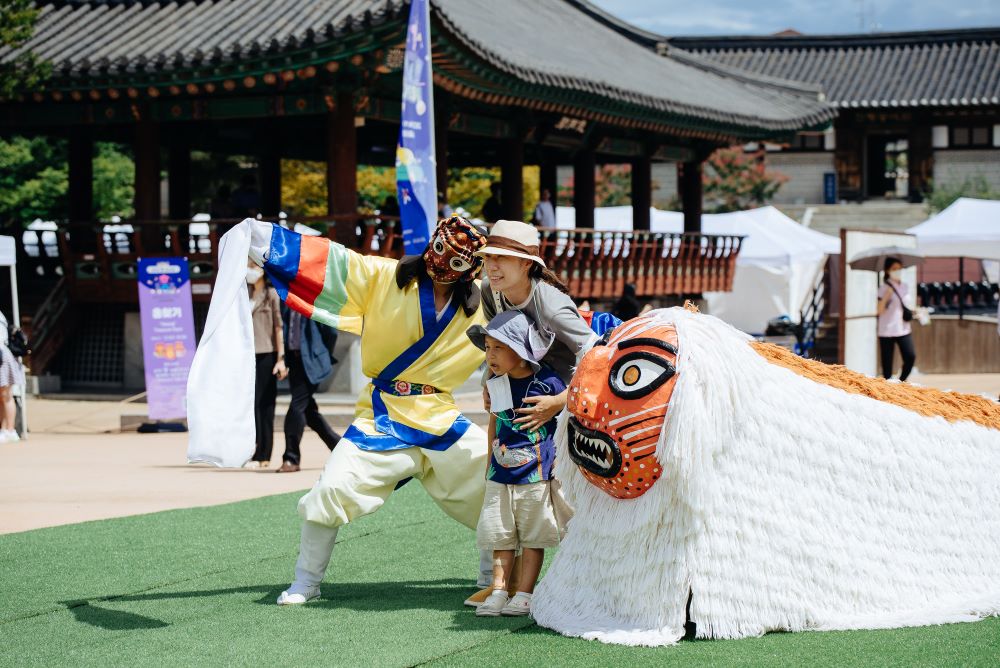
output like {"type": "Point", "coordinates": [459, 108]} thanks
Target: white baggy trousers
{"type": "Point", "coordinates": [357, 482]}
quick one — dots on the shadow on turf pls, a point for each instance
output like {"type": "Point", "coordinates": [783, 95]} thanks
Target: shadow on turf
{"type": "Point", "coordinates": [445, 595]}
{"type": "Point", "coordinates": [109, 619]}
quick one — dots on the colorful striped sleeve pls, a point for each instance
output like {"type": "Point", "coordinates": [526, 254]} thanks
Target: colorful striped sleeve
{"type": "Point", "coordinates": [320, 278]}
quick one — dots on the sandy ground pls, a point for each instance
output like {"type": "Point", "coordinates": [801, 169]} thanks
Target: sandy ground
{"type": "Point", "coordinates": [77, 465]}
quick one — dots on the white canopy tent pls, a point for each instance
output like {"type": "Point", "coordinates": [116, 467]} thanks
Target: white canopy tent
{"type": "Point", "coordinates": [968, 228]}
{"type": "Point", "coordinates": [775, 269]}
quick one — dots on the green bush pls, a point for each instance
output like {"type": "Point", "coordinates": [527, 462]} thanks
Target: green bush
{"type": "Point", "coordinates": [941, 197]}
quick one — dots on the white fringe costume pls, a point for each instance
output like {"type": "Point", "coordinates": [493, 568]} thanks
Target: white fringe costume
{"type": "Point", "coordinates": [785, 505]}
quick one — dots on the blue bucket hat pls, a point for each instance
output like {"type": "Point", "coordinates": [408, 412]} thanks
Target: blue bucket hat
{"type": "Point", "coordinates": [515, 330]}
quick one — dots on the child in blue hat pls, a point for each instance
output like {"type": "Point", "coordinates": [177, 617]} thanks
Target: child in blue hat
{"type": "Point", "coordinates": [520, 508]}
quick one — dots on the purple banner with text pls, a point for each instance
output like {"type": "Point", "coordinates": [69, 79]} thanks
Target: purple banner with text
{"type": "Point", "coordinates": [168, 342]}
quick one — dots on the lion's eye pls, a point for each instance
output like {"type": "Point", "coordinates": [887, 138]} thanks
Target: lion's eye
{"type": "Point", "coordinates": [638, 374]}
{"type": "Point", "coordinates": [458, 264]}
{"type": "Point", "coordinates": [438, 247]}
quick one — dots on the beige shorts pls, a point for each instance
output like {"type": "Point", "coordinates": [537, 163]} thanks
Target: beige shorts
{"type": "Point", "coordinates": [518, 515]}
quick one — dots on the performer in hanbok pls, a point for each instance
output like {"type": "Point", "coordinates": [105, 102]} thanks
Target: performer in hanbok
{"type": "Point", "coordinates": [412, 315]}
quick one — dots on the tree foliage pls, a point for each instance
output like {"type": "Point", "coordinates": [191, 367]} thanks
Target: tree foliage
{"type": "Point", "coordinates": [303, 188]}
{"type": "Point", "coordinates": [942, 196]}
{"type": "Point", "coordinates": [26, 72]}
{"type": "Point", "coordinates": [34, 180]}
{"type": "Point", "coordinates": [734, 180]}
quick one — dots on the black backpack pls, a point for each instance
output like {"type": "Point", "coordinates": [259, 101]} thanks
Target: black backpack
{"type": "Point", "coordinates": [17, 342]}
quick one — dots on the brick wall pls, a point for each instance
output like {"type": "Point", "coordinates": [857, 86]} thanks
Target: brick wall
{"type": "Point", "coordinates": [952, 167]}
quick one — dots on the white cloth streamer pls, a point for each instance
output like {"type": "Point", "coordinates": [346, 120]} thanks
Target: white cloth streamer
{"type": "Point", "coordinates": [220, 389]}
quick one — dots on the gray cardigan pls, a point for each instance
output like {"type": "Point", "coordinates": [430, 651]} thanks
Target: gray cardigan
{"type": "Point", "coordinates": [554, 312]}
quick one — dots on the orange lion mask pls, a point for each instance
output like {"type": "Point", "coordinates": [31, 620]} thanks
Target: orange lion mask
{"type": "Point", "coordinates": [618, 402]}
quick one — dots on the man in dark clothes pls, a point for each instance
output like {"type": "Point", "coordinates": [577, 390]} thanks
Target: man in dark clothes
{"type": "Point", "coordinates": [492, 210]}
{"type": "Point", "coordinates": [307, 354]}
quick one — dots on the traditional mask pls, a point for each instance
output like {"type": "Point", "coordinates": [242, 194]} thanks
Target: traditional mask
{"type": "Point", "coordinates": [450, 254]}
{"type": "Point", "coordinates": [618, 401]}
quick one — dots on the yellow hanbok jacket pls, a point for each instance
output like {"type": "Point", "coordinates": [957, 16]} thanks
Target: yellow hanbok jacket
{"type": "Point", "coordinates": [415, 359]}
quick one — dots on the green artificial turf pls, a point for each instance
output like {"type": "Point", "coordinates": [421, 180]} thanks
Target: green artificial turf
{"type": "Point", "coordinates": [197, 587]}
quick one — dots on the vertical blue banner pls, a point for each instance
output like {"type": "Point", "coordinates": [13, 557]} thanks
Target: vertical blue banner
{"type": "Point", "coordinates": [416, 167]}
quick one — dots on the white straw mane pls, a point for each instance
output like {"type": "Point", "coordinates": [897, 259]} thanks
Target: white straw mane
{"type": "Point", "coordinates": [785, 505]}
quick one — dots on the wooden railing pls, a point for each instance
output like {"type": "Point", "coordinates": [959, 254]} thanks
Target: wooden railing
{"type": "Point", "coordinates": [99, 260]}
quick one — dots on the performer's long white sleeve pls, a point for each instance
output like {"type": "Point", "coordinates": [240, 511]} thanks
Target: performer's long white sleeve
{"type": "Point", "coordinates": [220, 390]}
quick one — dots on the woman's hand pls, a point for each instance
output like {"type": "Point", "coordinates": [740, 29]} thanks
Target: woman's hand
{"type": "Point", "coordinates": [543, 409]}
{"type": "Point", "coordinates": [280, 370]}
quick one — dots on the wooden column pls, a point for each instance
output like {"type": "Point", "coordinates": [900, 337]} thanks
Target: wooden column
{"type": "Point", "coordinates": [81, 176]}
{"type": "Point", "coordinates": [512, 179]}
{"type": "Point", "coordinates": [690, 189]}
{"type": "Point", "coordinates": [147, 185]}
{"type": "Point", "coordinates": [584, 187]}
{"type": "Point", "coordinates": [270, 185]}
{"type": "Point", "coordinates": [147, 170]}
{"type": "Point", "coordinates": [642, 192]}
{"type": "Point", "coordinates": [921, 161]}
{"type": "Point", "coordinates": [82, 238]}
{"type": "Point", "coordinates": [342, 167]}
{"type": "Point", "coordinates": [179, 180]}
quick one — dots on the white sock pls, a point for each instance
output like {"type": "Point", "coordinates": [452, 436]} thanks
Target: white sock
{"type": "Point", "coordinates": [500, 591]}
{"type": "Point", "coordinates": [315, 549]}
{"type": "Point", "coordinates": [523, 594]}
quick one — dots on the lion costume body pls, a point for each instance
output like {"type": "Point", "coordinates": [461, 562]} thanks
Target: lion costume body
{"type": "Point", "coordinates": [716, 480]}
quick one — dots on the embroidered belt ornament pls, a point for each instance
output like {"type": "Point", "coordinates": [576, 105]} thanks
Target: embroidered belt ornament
{"type": "Point", "coordinates": [618, 402]}
{"type": "Point", "coordinates": [450, 255]}
{"type": "Point", "coordinates": [402, 388]}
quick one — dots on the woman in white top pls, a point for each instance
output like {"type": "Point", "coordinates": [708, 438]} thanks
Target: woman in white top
{"type": "Point", "coordinates": [893, 329]}
{"type": "Point", "coordinates": [11, 374]}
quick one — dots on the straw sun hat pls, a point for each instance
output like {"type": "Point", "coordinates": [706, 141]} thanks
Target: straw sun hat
{"type": "Point", "coordinates": [513, 238]}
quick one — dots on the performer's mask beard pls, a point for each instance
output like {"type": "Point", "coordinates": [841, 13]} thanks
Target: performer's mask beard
{"type": "Point", "coordinates": [618, 401]}
{"type": "Point", "coordinates": [450, 255]}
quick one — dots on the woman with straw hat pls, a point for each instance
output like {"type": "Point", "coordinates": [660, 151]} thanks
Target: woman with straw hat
{"type": "Point", "coordinates": [516, 278]}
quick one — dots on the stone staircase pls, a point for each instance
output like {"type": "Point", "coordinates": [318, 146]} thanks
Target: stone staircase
{"type": "Point", "coordinates": [890, 216]}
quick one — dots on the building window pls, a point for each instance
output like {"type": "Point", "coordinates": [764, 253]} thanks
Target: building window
{"type": "Point", "coordinates": [966, 136]}
{"type": "Point", "coordinates": [807, 142]}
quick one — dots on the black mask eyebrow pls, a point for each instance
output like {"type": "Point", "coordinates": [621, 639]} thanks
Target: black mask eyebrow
{"type": "Point", "coordinates": [603, 341]}
{"type": "Point", "coordinates": [656, 343]}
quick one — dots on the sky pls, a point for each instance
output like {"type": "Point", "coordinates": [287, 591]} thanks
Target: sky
{"type": "Point", "coordinates": [764, 17]}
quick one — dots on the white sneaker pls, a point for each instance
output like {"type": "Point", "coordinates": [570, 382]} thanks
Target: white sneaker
{"type": "Point", "coordinates": [9, 436]}
{"type": "Point", "coordinates": [518, 606]}
{"type": "Point", "coordinates": [287, 598]}
{"type": "Point", "coordinates": [492, 606]}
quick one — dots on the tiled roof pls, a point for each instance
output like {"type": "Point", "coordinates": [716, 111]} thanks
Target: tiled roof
{"type": "Point", "coordinates": [911, 69]}
{"type": "Point", "coordinates": [558, 46]}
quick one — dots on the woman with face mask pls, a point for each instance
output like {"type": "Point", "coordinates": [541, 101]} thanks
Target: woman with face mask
{"type": "Point", "coordinates": [269, 350]}
{"type": "Point", "coordinates": [893, 328]}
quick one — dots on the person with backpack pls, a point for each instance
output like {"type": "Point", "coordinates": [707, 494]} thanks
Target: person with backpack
{"type": "Point", "coordinates": [11, 374]}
